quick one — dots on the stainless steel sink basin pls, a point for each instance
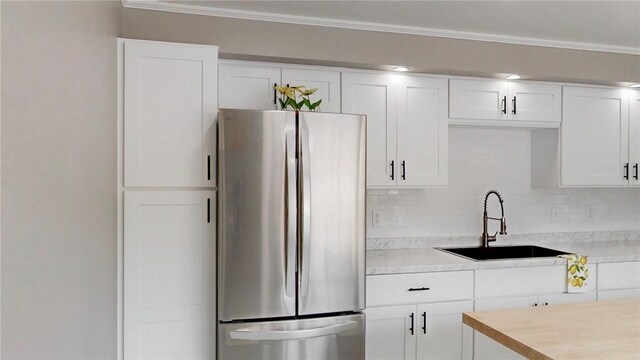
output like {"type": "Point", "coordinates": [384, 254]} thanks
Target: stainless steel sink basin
{"type": "Point", "coordinates": [503, 252]}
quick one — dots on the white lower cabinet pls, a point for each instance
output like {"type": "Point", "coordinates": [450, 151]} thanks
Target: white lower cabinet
{"type": "Point", "coordinates": [441, 334]}
{"type": "Point", "coordinates": [169, 275]}
{"type": "Point", "coordinates": [419, 316]}
{"type": "Point", "coordinates": [510, 288]}
{"type": "Point", "coordinates": [426, 331]}
{"type": "Point", "coordinates": [389, 335]}
{"type": "Point", "coordinates": [486, 348]}
{"type": "Point", "coordinates": [618, 280]}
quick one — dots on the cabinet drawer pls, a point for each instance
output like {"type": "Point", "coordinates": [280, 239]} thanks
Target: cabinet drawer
{"type": "Point", "coordinates": [520, 281]}
{"type": "Point", "coordinates": [401, 289]}
{"type": "Point", "coordinates": [624, 275]}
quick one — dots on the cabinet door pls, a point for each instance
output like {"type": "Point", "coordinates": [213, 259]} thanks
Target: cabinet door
{"type": "Point", "coordinates": [422, 139]}
{"type": "Point", "coordinates": [441, 334]}
{"type": "Point", "coordinates": [594, 137]}
{"type": "Point", "coordinates": [326, 81]}
{"type": "Point", "coordinates": [534, 102]}
{"type": "Point", "coordinates": [375, 95]}
{"type": "Point", "coordinates": [546, 300]}
{"type": "Point", "coordinates": [248, 86]}
{"type": "Point", "coordinates": [485, 347]}
{"type": "Point", "coordinates": [634, 137]}
{"type": "Point", "coordinates": [618, 294]}
{"type": "Point", "coordinates": [170, 107]}
{"type": "Point", "coordinates": [389, 333]}
{"type": "Point", "coordinates": [478, 99]}
{"type": "Point", "coordinates": [169, 275]}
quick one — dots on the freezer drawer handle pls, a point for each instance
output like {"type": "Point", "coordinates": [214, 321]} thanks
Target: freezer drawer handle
{"type": "Point", "coordinates": [259, 335]}
{"type": "Point", "coordinates": [419, 289]}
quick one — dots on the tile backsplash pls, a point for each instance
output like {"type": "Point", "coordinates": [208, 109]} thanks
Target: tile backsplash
{"type": "Point", "coordinates": [481, 159]}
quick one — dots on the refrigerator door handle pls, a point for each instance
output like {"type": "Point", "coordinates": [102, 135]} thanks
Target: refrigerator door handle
{"type": "Point", "coordinates": [290, 203]}
{"type": "Point", "coordinates": [260, 335]}
{"type": "Point", "coordinates": [305, 210]}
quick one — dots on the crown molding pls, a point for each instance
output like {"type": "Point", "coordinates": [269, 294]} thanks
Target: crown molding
{"type": "Point", "coordinates": [369, 26]}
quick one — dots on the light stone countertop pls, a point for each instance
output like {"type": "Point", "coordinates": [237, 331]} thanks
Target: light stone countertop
{"type": "Point", "coordinates": [397, 261]}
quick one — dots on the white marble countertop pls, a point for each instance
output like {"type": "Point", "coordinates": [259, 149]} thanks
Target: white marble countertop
{"type": "Point", "coordinates": [396, 261]}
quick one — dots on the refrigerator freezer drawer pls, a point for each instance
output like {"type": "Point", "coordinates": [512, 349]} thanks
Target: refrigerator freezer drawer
{"type": "Point", "coordinates": [340, 337]}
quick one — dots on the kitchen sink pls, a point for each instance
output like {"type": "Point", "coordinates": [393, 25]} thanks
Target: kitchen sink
{"type": "Point", "coordinates": [503, 252]}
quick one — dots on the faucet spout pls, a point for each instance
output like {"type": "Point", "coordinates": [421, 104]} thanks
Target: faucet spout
{"type": "Point", "coordinates": [486, 238]}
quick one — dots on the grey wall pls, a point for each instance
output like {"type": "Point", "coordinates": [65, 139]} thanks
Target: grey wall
{"type": "Point", "coordinates": [256, 39]}
{"type": "Point", "coordinates": [58, 170]}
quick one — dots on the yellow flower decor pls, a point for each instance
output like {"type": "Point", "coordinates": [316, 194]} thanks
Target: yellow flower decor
{"type": "Point", "coordinates": [577, 272]}
{"type": "Point", "coordinates": [288, 98]}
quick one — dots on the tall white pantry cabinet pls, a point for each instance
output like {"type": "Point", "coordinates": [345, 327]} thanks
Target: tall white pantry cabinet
{"type": "Point", "coordinates": [167, 108]}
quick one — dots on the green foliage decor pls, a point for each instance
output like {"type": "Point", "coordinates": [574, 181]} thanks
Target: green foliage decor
{"type": "Point", "coordinates": [289, 98]}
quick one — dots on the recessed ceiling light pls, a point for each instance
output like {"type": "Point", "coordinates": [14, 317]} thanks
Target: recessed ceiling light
{"type": "Point", "coordinates": [513, 77]}
{"type": "Point", "coordinates": [401, 68]}
{"type": "Point", "coordinates": [635, 85]}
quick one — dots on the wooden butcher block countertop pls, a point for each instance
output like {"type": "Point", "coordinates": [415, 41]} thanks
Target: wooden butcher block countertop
{"type": "Point", "coordinates": [594, 330]}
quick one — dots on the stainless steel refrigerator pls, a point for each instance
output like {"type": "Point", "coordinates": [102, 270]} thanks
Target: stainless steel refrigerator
{"type": "Point", "coordinates": [291, 235]}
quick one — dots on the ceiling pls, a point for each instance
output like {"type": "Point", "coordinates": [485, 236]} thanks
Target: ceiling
{"type": "Point", "coordinates": [594, 25]}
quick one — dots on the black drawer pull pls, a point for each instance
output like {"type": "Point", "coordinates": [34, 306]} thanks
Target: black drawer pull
{"type": "Point", "coordinates": [626, 171]}
{"type": "Point", "coordinates": [275, 93]}
{"type": "Point", "coordinates": [504, 105]}
{"type": "Point", "coordinates": [208, 210]}
{"type": "Point", "coordinates": [419, 289]}
{"type": "Point", "coordinates": [636, 169]}
{"type": "Point", "coordinates": [412, 320]}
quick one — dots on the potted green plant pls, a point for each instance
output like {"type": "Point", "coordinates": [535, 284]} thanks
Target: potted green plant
{"type": "Point", "coordinates": [289, 98]}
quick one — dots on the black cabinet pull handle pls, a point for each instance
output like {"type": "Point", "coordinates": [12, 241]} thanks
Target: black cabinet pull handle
{"type": "Point", "coordinates": [419, 289]}
{"type": "Point", "coordinates": [504, 105]}
{"type": "Point", "coordinates": [626, 171]}
{"type": "Point", "coordinates": [411, 328]}
{"type": "Point", "coordinates": [392, 170]}
{"type": "Point", "coordinates": [514, 105]}
{"type": "Point", "coordinates": [208, 167]}
{"type": "Point", "coordinates": [545, 304]}
{"type": "Point", "coordinates": [208, 210]}
{"type": "Point", "coordinates": [403, 171]}
{"type": "Point", "coordinates": [635, 167]}
{"type": "Point", "coordinates": [424, 322]}
{"type": "Point", "coordinates": [536, 304]}
{"type": "Point", "coordinates": [274, 93]}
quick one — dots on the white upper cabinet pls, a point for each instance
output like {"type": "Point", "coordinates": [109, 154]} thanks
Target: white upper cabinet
{"type": "Point", "coordinates": [375, 95]}
{"type": "Point", "coordinates": [406, 127]}
{"type": "Point", "coordinates": [634, 137]}
{"type": "Point", "coordinates": [533, 102]}
{"type": "Point", "coordinates": [170, 107]}
{"type": "Point", "coordinates": [594, 137]}
{"type": "Point", "coordinates": [504, 103]}
{"type": "Point", "coordinates": [248, 86]}
{"type": "Point", "coordinates": [423, 130]}
{"type": "Point", "coordinates": [478, 99]}
{"type": "Point", "coordinates": [169, 275]}
{"type": "Point", "coordinates": [326, 81]}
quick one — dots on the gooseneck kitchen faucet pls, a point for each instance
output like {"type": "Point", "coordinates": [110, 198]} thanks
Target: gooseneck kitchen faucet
{"type": "Point", "coordinates": [486, 238]}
